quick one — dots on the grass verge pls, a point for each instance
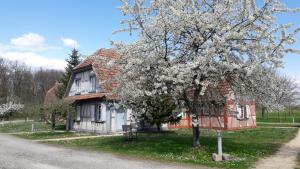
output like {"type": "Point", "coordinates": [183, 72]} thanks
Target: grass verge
{"type": "Point", "coordinates": [50, 135]}
{"type": "Point", "coordinates": [24, 127]}
{"type": "Point", "coordinates": [281, 117]}
{"type": "Point", "coordinates": [247, 146]}
{"type": "Point", "coordinates": [298, 162]}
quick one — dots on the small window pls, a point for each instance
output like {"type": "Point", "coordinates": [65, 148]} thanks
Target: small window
{"type": "Point", "coordinates": [77, 83]}
{"type": "Point", "coordinates": [98, 114]}
{"type": "Point", "coordinates": [93, 83]}
{"type": "Point", "coordinates": [78, 113]}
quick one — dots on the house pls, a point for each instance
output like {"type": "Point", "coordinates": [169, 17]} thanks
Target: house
{"type": "Point", "coordinates": [226, 115]}
{"type": "Point", "coordinates": [91, 88]}
{"type": "Point", "coordinates": [51, 95]}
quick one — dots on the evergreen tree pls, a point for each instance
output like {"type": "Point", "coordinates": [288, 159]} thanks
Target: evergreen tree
{"type": "Point", "coordinates": [73, 61]}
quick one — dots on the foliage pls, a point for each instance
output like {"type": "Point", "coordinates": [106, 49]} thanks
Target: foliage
{"type": "Point", "coordinates": [272, 91]}
{"type": "Point", "coordinates": [246, 146]}
{"type": "Point", "coordinates": [188, 46]}
{"type": "Point", "coordinates": [72, 62]}
{"type": "Point", "coordinates": [59, 111]}
{"type": "Point", "coordinates": [156, 110]}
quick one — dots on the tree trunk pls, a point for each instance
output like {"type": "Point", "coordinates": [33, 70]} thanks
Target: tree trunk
{"type": "Point", "coordinates": [196, 131]}
{"type": "Point", "coordinates": [263, 112]}
{"type": "Point", "coordinates": [68, 122]}
{"type": "Point", "coordinates": [53, 120]}
{"type": "Point", "coordinates": [158, 127]}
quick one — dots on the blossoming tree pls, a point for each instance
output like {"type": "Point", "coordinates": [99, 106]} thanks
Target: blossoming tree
{"type": "Point", "coordinates": [9, 108]}
{"type": "Point", "coordinates": [184, 46]}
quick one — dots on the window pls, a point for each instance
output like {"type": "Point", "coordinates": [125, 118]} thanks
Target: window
{"type": "Point", "coordinates": [242, 112]}
{"type": "Point", "coordinates": [98, 114]}
{"type": "Point", "coordinates": [93, 83]}
{"type": "Point", "coordinates": [77, 84]}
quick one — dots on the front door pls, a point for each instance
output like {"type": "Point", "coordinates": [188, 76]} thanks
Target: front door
{"type": "Point", "coordinates": [120, 119]}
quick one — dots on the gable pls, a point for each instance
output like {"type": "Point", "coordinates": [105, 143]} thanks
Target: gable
{"type": "Point", "coordinates": [96, 64]}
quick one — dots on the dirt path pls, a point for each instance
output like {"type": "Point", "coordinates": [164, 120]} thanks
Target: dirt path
{"type": "Point", "coordinates": [16, 153]}
{"type": "Point", "coordinates": [285, 158]}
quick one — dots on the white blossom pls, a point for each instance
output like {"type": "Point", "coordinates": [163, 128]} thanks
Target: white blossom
{"type": "Point", "coordinates": [10, 107]}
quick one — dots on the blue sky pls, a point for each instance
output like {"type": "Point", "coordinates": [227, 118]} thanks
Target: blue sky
{"type": "Point", "coordinates": [88, 23]}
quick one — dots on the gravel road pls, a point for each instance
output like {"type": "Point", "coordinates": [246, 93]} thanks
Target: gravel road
{"type": "Point", "coordinates": [17, 153]}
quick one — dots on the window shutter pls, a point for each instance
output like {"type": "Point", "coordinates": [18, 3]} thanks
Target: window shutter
{"type": "Point", "coordinates": [78, 113]}
{"type": "Point", "coordinates": [239, 112]}
{"type": "Point", "coordinates": [248, 112]}
{"type": "Point", "coordinates": [92, 110]}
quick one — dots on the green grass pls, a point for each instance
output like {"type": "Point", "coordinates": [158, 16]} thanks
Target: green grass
{"type": "Point", "coordinates": [26, 127]}
{"type": "Point", "coordinates": [284, 117]}
{"type": "Point", "coordinates": [267, 124]}
{"type": "Point", "coordinates": [298, 162]}
{"type": "Point", "coordinates": [246, 146]}
{"type": "Point", "coordinates": [50, 135]}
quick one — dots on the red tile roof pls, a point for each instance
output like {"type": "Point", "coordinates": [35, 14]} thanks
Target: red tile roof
{"type": "Point", "coordinates": [107, 53]}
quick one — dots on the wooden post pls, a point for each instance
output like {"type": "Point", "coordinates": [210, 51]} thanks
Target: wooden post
{"type": "Point", "coordinates": [2, 122]}
{"type": "Point", "coordinates": [32, 127]}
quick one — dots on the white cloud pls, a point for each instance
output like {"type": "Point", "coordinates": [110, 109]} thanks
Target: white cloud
{"type": "Point", "coordinates": [30, 42]}
{"type": "Point", "coordinates": [70, 42]}
{"type": "Point", "coordinates": [34, 60]}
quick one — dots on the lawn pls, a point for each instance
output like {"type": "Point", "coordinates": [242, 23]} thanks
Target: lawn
{"type": "Point", "coordinates": [24, 127]}
{"type": "Point", "coordinates": [42, 131]}
{"type": "Point", "coordinates": [284, 117]}
{"type": "Point", "coordinates": [268, 124]}
{"type": "Point", "coordinates": [51, 135]}
{"type": "Point", "coordinates": [298, 162]}
{"type": "Point", "coordinates": [246, 146]}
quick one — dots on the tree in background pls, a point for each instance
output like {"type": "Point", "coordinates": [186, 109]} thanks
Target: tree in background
{"type": "Point", "coordinates": [73, 61]}
{"type": "Point", "coordinates": [155, 110]}
{"type": "Point", "coordinates": [58, 111]}
{"type": "Point", "coordinates": [8, 109]}
{"type": "Point", "coordinates": [195, 44]}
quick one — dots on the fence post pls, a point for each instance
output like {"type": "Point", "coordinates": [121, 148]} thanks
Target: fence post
{"type": "Point", "coordinates": [32, 127]}
{"type": "Point", "coordinates": [2, 122]}
{"type": "Point", "coordinates": [293, 121]}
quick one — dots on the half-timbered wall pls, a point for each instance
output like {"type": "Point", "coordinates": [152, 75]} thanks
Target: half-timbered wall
{"type": "Point", "coordinates": [84, 83]}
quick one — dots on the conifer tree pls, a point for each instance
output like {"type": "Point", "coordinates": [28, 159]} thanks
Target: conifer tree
{"type": "Point", "coordinates": [73, 61]}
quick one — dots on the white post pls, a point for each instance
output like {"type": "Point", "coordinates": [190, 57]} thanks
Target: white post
{"type": "Point", "coordinates": [293, 121]}
{"type": "Point", "coordinates": [219, 142]}
{"type": "Point", "coordinates": [32, 127]}
{"type": "Point", "coordinates": [2, 122]}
